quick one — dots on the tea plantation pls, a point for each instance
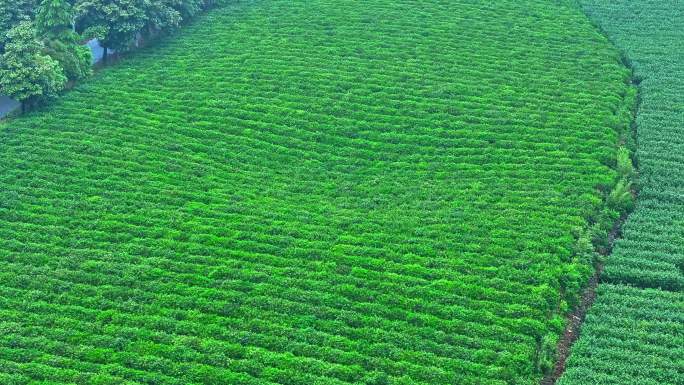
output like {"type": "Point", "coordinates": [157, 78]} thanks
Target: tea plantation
{"type": "Point", "coordinates": [320, 192]}
{"type": "Point", "coordinates": [635, 333]}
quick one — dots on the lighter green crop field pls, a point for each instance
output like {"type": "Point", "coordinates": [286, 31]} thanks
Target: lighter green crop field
{"type": "Point", "coordinates": [313, 192]}
{"type": "Point", "coordinates": [635, 334]}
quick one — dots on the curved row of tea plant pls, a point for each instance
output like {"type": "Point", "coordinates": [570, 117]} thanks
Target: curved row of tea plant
{"type": "Point", "coordinates": [313, 192]}
{"type": "Point", "coordinates": [636, 336]}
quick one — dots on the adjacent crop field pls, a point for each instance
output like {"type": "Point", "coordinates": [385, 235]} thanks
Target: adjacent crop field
{"type": "Point", "coordinates": [313, 192]}
{"type": "Point", "coordinates": [636, 336]}
{"type": "Point", "coordinates": [631, 336]}
{"type": "Point", "coordinates": [651, 33]}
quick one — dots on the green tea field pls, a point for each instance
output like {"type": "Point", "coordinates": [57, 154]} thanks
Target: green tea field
{"type": "Point", "coordinates": [378, 192]}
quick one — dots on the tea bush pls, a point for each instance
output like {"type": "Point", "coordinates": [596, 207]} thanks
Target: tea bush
{"type": "Point", "coordinates": [313, 192]}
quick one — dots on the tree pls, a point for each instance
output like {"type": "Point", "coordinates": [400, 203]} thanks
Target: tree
{"type": "Point", "coordinates": [55, 19]}
{"type": "Point", "coordinates": [187, 8]}
{"type": "Point", "coordinates": [12, 12]}
{"type": "Point", "coordinates": [161, 14]}
{"type": "Point", "coordinates": [55, 23]}
{"type": "Point", "coordinates": [115, 23]}
{"type": "Point", "coordinates": [26, 73]}
{"type": "Point", "coordinates": [75, 59]}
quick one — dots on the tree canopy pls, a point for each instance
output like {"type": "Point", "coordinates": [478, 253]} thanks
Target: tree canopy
{"type": "Point", "coordinates": [55, 22]}
{"type": "Point", "coordinates": [12, 12]}
{"type": "Point", "coordinates": [115, 23]}
{"type": "Point", "coordinates": [55, 18]}
{"type": "Point", "coordinates": [41, 41]}
{"type": "Point", "coordinates": [26, 73]}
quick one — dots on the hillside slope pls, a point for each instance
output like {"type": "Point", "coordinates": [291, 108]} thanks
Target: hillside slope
{"type": "Point", "coordinates": [635, 333]}
{"type": "Point", "coordinates": [312, 192]}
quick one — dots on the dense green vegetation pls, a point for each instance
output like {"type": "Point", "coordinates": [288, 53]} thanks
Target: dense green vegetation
{"type": "Point", "coordinates": [41, 40]}
{"type": "Point", "coordinates": [632, 336]}
{"type": "Point", "coordinates": [651, 33]}
{"type": "Point", "coordinates": [315, 192]}
{"type": "Point", "coordinates": [642, 342]}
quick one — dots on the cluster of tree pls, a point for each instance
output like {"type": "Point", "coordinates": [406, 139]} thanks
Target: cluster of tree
{"type": "Point", "coordinates": [41, 40]}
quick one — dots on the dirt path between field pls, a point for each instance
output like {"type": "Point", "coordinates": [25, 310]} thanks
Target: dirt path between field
{"type": "Point", "coordinates": [576, 318]}
{"type": "Point", "coordinates": [572, 329]}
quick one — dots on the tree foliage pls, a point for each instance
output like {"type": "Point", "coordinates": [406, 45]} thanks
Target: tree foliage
{"type": "Point", "coordinates": [26, 73]}
{"type": "Point", "coordinates": [75, 59]}
{"type": "Point", "coordinates": [189, 8]}
{"type": "Point", "coordinates": [55, 21]}
{"type": "Point", "coordinates": [161, 14]}
{"type": "Point", "coordinates": [115, 23]}
{"type": "Point", "coordinates": [12, 12]}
